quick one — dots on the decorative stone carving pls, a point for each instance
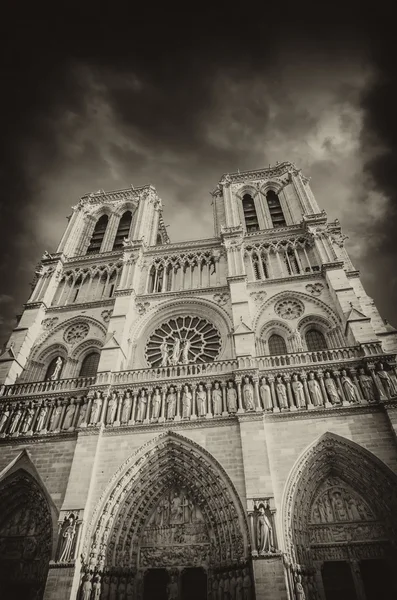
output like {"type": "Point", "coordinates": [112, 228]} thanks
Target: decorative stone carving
{"type": "Point", "coordinates": [142, 404]}
{"type": "Point", "coordinates": [387, 382]}
{"type": "Point", "coordinates": [201, 398]}
{"type": "Point", "coordinates": [69, 415]}
{"type": "Point", "coordinates": [41, 418]}
{"type": "Point", "coordinates": [281, 392]}
{"type": "Point", "coordinates": [171, 403]}
{"type": "Point", "coordinates": [56, 417]}
{"type": "Point", "coordinates": [266, 395]}
{"type": "Point", "coordinates": [299, 391]}
{"type": "Point", "coordinates": [186, 402]}
{"type": "Point", "coordinates": [183, 340]}
{"type": "Point", "coordinates": [76, 332]}
{"type": "Point", "coordinates": [315, 390]}
{"type": "Point", "coordinates": [142, 307]}
{"type": "Point", "coordinates": [248, 394]}
{"type": "Point", "coordinates": [217, 400]}
{"type": "Point", "coordinates": [86, 588]}
{"type": "Point", "coordinates": [4, 418]}
{"type": "Point", "coordinates": [15, 419]}
{"type": "Point", "coordinates": [289, 309]}
{"type": "Point", "coordinates": [264, 530]}
{"type": "Point", "coordinates": [156, 404]}
{"type": "Point", "coordinates": [58, 368]}
{"type": "Point", "coordinates": [221, 298]}
{"type": "Point", "coordinates": [315, 288]}
{"type": "Point", "coordinates": [295, 340]}
{"type": "Point", "coordinates": [350, 389]}
{"type": "Point", "coordinates": [106, 314]}
{"type": "Point", "coordinates": [49, 323]}
{"type": "Point", "coordinates": [367, 386]}
{"type": "Point", "coordinates": [28, 419]}
{"type": "Point", "coordinates": [333, 392]}
{"type": "Point", "coordinates": [259, 297]}
{"type": "Point", "coordinates": [67, 535]}
{"type": "Point", "coordinates": [231, 398]}
{"type": "Point", "coordinates": [96, 409]}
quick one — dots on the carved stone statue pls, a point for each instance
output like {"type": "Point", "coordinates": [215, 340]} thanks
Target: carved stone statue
{"type": "Point", "coordinates": [299, 591]}
{"type": "Point", "coordinates": [165, 359]}
{"type": "Point", "coordinates": [281, 392]}
{"type": "Point", "coordinates": [126, 411]}
{"type": "Point", "coordinates": [82, 413]}
{"type": "Point", "coordinates": [57, 371]}
{"type": "Point", "coordinates": [69, 415]}
{"type": "Point", "coordinates": [217, 399]}
{"type": "Point", "coordinates": [96, 409]}
{"type": "Point", "coordinates": [4, 417]}
{"type": "Point", "coordinates": [176, 350]}
{"type": "Point", "coordinates": [231, 398]}
{"type": "Point", "coordinates": [15, 420]}
{"type": "Point", "coordinates": [55, 417]}
{"type": "Point", "coordinates": [296, 341]}
{"type": "Point", "coordinates": [112, 409]}
{"type": "Point", "coordinates": [247, 585]}
{"type": "Point", "coordinates": [122, 589]}
{"type": "Point", "coordinates": [248, 394]}
{"type": "Point", "coordinates": [350, 388]}
{"type": "Point", "coordinates": [185, 351]}
{"type": "Point", "coordinates": [387, 382]}
{"type": "Point", "coordinates": [156, 404]}
{"type": "Point", "coordinates": [221, 588]}
{"type": "Point", "coordinates": [264, 531]}
{"type": "Point", "coordinates": [315, 390]}
{"type": "Point", "coordinates": [171, 403]}
{"type": "Point", "coordinates": [232, 585]}
{"type": "Point", "coordinates": [333, 392]}
{"type": "Point", "coordinates": [172, 589]}
{"type": "Point", "coordinates": [68, 533]}
{"type": "Point", "coordinates": [266, 395]}
{"type": "Point", "coordinates": [96, 588]}
{"type": "Point", "coordinates": [27, 423]}
{"type": "Point", "coordinates": [105, 586]}
{"type": "Point", "coordinates": [130, 590]}
{"type": "Point", "coordinates": [367, 386]}
{"type": "Point", "coordinates": [86, 587]}
{"type": "Point", "coordinates": [41, 417]}
{"type": "Point", "coordinates": [299, 391]}
{"type": "Point", "coordinates": [142, 403]}
{"type": "Point", "coordinates": [186, 402]}
{"type": "Point", "coordinates": [113, 588]}
{"type": "Point", "coordinates": [239, 586]}
{"type": "Point", "coordinates": [201, 397]}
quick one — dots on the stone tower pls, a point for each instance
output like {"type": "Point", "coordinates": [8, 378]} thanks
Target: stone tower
{"type": "Point", "coordinates": [206, 419]}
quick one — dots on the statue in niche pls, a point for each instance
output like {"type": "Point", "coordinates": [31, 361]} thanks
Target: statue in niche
{"type": "Point", "coordinates": [231, 398]}
{"type": "Point", "coordinates": [156, 404]}
{"type": "Point", "coordinates": [333, 392]}
{"type": "Point", "coordinates": [171, 403]}
{"type": "Point", "coordinates": [16, 418]}
{"type": "Point", "coordinates": [165, 359]}
{"type": "Point", "coordinates": [239, 586]}
{"type": "Point", "coordinates": [126, 410]}
{"type": "Point", "coordinates": [186, 402]}
{"type": "Point", "coordinates": [27, 423]}
{"type": "Point", "coordinates": [299, 591]}
{"type": "Point", "coordinates": [86, 589]}
{"type": "Point", "coordinates": [113, 588]}
{"type": "Point", "coordinates": [58, 368]}
{"type": "Point", "coordinates": [201, 401]}
{"type": "Point", "coordinates": [266, 395]}
{"type": "Point", "coordinates": [82, 414]}
{"type": "Point", "coordinates": [56, 417]}
{"type": "Point", "coordinates": [185, 351]}
{"type": "Point", "coordinates": [217, 399]}
{"type": "Point", "coordinates": [172, 589]}
{"type": "Point", "coordinates": [4, 417]}
{"type": "Point", "coordinates": [220, 587]}
{"type": "Point", "coordinates": [387, 382]}
{"type": "Point", "coordinates": [247, 585]}
{"type": "Point", "coordinates": [299, 391]}
{"type": "Point", "coordinates": [69, 415]}
{"type": "Point", "coordinates": [350, 388]}
{"type": "Point", "coordinates": [96, 409]}
{"type": "Point", "coordinates": [142, 404]}
{"type": "Point", "coordinates": [112, 409]}
{"type": "Point", "coordinates": [105, 586]}
{"type": "Point", "coordinates": [122, 589]}
{"type": "Point", "coordinates": [42, 417]}
{"type": "Point", "coordinates": [248, 394]}
{"type": "Point", "coordinates": [315, 390]}
{"type": "Point", "coordinates": [281, 392]}
{"type": "Point", "coordinates": [96, 588]}
{"type": "Point", "coordinates": [367, 386]}
{"type": "Point", "coordinates": [130, 589]}
{"type": "Point", "coordinates": [232, 585]}
{"type": "Point", "coordinates": [176, 351]}
{"type": "Point", "coordinates": [226, 586]}
{"type": "Point", "coordinates": [215, 585]}
{"type": "Point", "coordinates": [68, 534]}
{"type": "Point", "coordinates": [264, 530]}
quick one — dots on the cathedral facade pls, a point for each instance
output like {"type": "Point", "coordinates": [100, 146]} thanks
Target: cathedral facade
{"type": "Point", "coordinates": [213, 419]}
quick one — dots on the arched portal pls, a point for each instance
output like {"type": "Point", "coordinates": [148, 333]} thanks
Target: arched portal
{"type": "Point", "coordinates": [340, 522]}
{"type": "Point", "coordinates": [26, 537]}
{"type": "Point", "coordinates": [172, 508]}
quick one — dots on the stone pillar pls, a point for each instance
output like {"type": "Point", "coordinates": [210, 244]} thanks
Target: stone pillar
{"type": "Point", "coordinates": [273, 394]}
{"type": "Point", "coordinates": [163, 397]}
{"type": "Point", "coordinates": [223, 386]}
{"type": "Point", "coordinates": [353, 373]}
{"type": "Point", "coordinates": [79, 401]}
{"type": "Point", "coordinates": [135, 396]}
{"type": "Point", "coordinates": [149, 399]}
{"type": "Point", "coordinates": [320, 375]}
{"type": "Point", "coordinates": [287, 379]}
{"type": "Point", "coordinates": [257, 396]}
{"type": "Point", "coordinates": [306, 390]}
{"type": "Point", "coordinates": [193, 413]}
{"type": "Point", "coordinates": [345, 402]}
{"type": "Point", "coordinates": [239, 400]}
{"type": "Point", "coordinates": [209, 400]}
{"type": "Point", "coordinates": [178, 402]}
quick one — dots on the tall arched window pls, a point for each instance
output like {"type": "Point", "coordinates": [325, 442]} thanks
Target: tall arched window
{"type": "Point", "coordinates": [250, 216]}
{"type": "Point", "coordinates": [315, 340]}
{"type": "Point", "coordinates": [98, 235]}
{"type": "Point", "coordinates": [123, 230]}
{"type": "Point", "coordinates": [277, 345]}
{"type": "Point", "coordinates": [55, 368]}
{"type": "Point", "coordinates": [89, 366]}
{"type": "Point", "coordinates": [275, 210]}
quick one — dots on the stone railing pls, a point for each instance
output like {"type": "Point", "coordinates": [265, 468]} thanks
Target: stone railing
{"type": "Point", "coordinates": [46, 387]}
{"type": "Point", "coordinates": [199, 398]}
{"type": "Point", "coordinates": [294, 359]}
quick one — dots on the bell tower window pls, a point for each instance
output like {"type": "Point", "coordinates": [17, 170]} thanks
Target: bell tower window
{"type": "Point", "coordinates": [275, 210]}
{"type": "Point", "coordinates": [250, 216]}
{"type": "Point", "coordinates": [123, 230]}
{"type": "Point", "coordinates": [98, 235]}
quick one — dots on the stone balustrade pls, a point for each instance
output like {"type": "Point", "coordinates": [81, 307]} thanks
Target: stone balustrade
{"type": "Point", "coordinates": [45, 387]}
{"type": "Point", "coordinates": [310, 357]}
{"type": "Point", "coordinates": [214, 397]}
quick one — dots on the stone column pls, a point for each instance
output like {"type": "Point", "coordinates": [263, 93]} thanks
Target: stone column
{"type": "Point", "coordinates": [65, 403]}
{"type": "Point", "coordinates": [239, 400]}
{"type": "Point", "coordinates": [79, 401]}
{"type": "Point", "coordinates": [320, 375]}
{"type": "Point", "coordinates": [223, 386]}
{"type": "Point", "coordinates": [178, 402]}
{"type": "Point", "coordinates": [33, 425]}
{"type": "Point", "coordinates": [273, 394]}
{"type": "Point", "coordinates": [336, 374]}
{"type": "Point", "coordinates": [209, 400]}
{"type": "Point", "coordinates": [287, 379]}
{"type": "Point", "coordinates": [135, 396]}
{"type": "Point", "coordinates": [105, 401]}
{"type": "Point", "coordinates": [357, 578]}
{"type": "Point", "coordinates": [149, 399]}
{"type": "Point", "coordinates": [119, 406]}
{"type": "Point", "coordinates": [306, 390]}
{"type": "Point", "coordinates": [353, 373]}
{"type": "Point", "coordinates": [257, 396]}
{"type": "Point", "coordinates": [193, 413]}
{"type": "Point", "coordinates": [163, 396]}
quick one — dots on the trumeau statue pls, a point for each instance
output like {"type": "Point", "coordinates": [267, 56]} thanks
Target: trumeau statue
{"type": "Point", "coordinates": [231, 398]}
{"type": "Point", "coordinates": [201, 398]}
{"type": "Point", "coordinates": [248, 394]}
{"type": "Point", "coordinates": [266, 395]}
{"type": "Point", "coordinates": [315, 390]}
{"type": "Point", "coordinates": [264, 531]}
{"type": "Point", "coordinates": [333, 392]}
{"type": "Point", "coordinates": [299, 391]}
{"type": "Point", "coordinates": [217, 399]}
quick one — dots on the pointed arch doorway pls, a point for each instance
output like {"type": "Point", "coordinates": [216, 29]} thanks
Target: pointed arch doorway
{"type": "Point", "coordinates": [169, 524]}
{"type": "Point", "coordinates": [340, 523]}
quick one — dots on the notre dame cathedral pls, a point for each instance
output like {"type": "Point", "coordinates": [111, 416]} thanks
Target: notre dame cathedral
{"type": "Point", "coordinates": [213, 419]}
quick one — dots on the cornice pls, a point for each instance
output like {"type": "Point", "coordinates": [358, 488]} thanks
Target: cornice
{"type": "Point", "coordinates": [192, 292]}
{"type": "Point", "coordinates": [27, 440]}
{"type": "Point", "coordinates": [276, 232]}
{"type": "Point", "coordinates": [198, 423]}
{"type": "Point", "coordinates": [338, 264]}
{"type": "Point", "coordinates": [264, 173]}
{"type": "Point", "coordinates": [185, 246]}
{"type": "Point", "coordinates": [131, 193]}
{"type": "Point", "coordinates": [278, 280]}
{"type": "Point", "coordinates": [101, 257]}
{"type": "Point", "coordinates": [69, 307]}
{"type": "Point", "coordinates": [321, 412]}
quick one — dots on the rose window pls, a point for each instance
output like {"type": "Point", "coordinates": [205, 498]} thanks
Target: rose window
{"type": "Point", "coordinates": [289, 309]}
{"type": "Point", "coordinates": [76, 332]}
{"type": "Point", "coordinates": [183, 340]}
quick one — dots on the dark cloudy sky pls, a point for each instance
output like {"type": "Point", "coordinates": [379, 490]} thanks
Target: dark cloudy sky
{"type": "Point", "coordinates": [88, 105]}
